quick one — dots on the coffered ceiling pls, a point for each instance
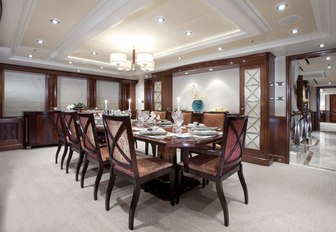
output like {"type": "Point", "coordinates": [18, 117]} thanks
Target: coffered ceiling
{"type": "Point", "coordinates": [90, 30]}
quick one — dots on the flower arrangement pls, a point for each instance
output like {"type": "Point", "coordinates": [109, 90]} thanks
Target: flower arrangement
{"type": "Point", "coordinates": [79, 105]}
{"type": "Point", "coordinates": [305, 101]}
{"type": "Point", "coordinates": [220, 109]}
{"type": "Point", "coordinates": [194, 93]}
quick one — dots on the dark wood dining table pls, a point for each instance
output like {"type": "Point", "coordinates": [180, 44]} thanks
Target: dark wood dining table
{"type": "Point", "coordinates": [167, 149]}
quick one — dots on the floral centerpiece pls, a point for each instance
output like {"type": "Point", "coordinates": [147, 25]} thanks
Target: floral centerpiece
{"type": "Point", "coordinates": [74, 106]}
{"type": "Point", "coordinates": [197, 104]}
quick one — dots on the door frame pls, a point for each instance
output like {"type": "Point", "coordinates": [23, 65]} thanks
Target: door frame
{"type": "Point", "coordinates": [289, 93]}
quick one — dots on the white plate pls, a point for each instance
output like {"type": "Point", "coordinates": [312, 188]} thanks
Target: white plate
{"type": "Point", "coordinates": [205, 132]}
{"type": "Point", "coordinates": [150, 131]}
{"type": "Point", "coordinates": [183, 135]}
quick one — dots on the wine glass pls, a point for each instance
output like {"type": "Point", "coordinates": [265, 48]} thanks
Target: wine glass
{"type": "Point", "coordinates": [178, 120]}
{"type": "Point", "coordinates": [143, 115]}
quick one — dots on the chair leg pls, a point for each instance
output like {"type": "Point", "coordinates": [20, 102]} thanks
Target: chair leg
{"type": "Point", "coordinates": [57, 152]}
{"type": "Point", "coordinates": [203, 182]}
{"type": "Point", "coordinates": [153, 150]}
{"type": "Point", "coordinates": [243, 183]}
{"type": "Point", "coordinates": [64, 155]}
{"type": "Point", "coordinates": [68, 160]}
{"type": "Point", "coordinates": [172, 177]}
{"type": "Point", "coordinates": [98, 177]}
{"type": "Point", "coordinates": [135, 199]}
{"type": "Point", "coordinates": [109, 190]}
{"type": "Point", "coordinates": [86, 164]}
{"type": "Point", "coordinates": [146, 148]}
{"type": "Point", "coordinates": [222, 200]}
{"type": "Point", "coordinates": [79, 164]}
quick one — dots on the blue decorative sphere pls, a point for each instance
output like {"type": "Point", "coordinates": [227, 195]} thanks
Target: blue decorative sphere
{"type": "Point", "coordinates": [197, 106]}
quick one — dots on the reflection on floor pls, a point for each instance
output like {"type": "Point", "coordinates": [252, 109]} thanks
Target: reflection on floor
{"type": "Point", "coordinates": [319, 152]}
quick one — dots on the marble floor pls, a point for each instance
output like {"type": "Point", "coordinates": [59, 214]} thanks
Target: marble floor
{"type": "Point", "coordinates": [318, 152]}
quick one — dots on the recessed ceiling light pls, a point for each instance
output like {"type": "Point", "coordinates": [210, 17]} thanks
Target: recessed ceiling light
{"type": "Point", "coordinates": [78, 70]}
{"type": "Point", "coordinates": [160, 19]}
{"type": "Point", "coordinates": [294, 31]}
{"type": "Point", "coordinates": [328, 58]}
{"type": "Point", "coordinates": [101, 67]}
{"type": "Point", "coordinates": [281, 6]}
{"type": "Point", "coordinates": [70, 62]}
{"type": "Point", "coordinates": [322, 45]}
{"type": "Point", "coordinates": [30, 56]}
{"type": "Point", "coordinates": [188, 33]}
{"type": "Point", "coordinates": [329, 83]}
{"type": "Point", "coordinates": [94, 53]}
{"type": "Point", "coordinates": [329, 66]}
{"type": "Point", "coordinates": [210, 69]}
{"type": "Point", "coordinates": [186, 73]}
{"type": "Point", "coordinates": [54, 21]}
{"type": "Point", "coordinates": [40, 41]}
{"type": "Point", "coordinates": [220, 49]}
{"type": "Point", "coordinates": [179, 58]}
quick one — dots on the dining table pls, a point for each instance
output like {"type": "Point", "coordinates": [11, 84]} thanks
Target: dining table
{"type": "Point", "coordinates": [165, 138]}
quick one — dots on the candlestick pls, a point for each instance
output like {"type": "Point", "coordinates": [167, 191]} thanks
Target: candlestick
{"type": "Point", "coordinates": [105, 104]}
{"type": "Point", "coordinates": [129, 103]}
{"type": "Point", "coordinates": [178, 103]}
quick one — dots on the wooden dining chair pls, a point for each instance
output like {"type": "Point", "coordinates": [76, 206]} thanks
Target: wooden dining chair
{"type": "Point", "coordinates": [213, 119]}
{"type": "Point", "coordinates": [217, 165]}
{"type": "Point", "coordinates": [187, 117]}
{"type": "Point", "coordinates": [135, 167]}
{"type": "Point", "coordinates": [94, 152]}
{"type": "Point", "coordinates": [61, 133]}
{"type": "Point", "coordinates": [70, 120]}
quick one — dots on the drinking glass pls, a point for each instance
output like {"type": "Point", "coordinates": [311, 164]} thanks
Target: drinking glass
{"type": "Point", "coordinates": [142, 116]}
{"type": "Point", "coordinates": [178, 120]}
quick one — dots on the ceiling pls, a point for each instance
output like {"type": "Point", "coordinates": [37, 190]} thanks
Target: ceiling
{"type": "Point", "coordinates": [239, 27]}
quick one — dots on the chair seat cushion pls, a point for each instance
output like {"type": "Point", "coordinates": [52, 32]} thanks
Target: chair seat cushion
{"type": "Point", "coordinates": [146, 165]}
{"type": "Point", "coordinates": [206, 163]}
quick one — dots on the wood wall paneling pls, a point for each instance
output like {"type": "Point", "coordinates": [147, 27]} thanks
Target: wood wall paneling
{"type": "Point", "coordinates": [2, 90]}
{"type": "Point", "coordinates": [91, 93]}
{"type": "Point", "coordinates": [51, 92]}
{"type": "Point", "coordinates": [11, 133]}
{"type": "Point", "coordinates": [278, 139]}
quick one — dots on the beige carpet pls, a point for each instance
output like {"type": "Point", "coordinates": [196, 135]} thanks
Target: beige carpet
{"type": "Point", "coordinates": [37, 196]}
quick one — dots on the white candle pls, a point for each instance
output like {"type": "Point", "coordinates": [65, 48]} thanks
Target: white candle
{"type": "Point", "coordinates": [129, 103]}
{"type": "Point", "coordinates": [105, 104]}
{"type": "Point", "coordinates": [178, 103]}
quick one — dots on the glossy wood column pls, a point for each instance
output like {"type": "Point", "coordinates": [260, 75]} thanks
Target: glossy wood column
{"type": "Point", "coordinates": [2, 91]}
{"type": "Point", "coordinates": [91, 93]}
{"type": "Point", "coordinates": [51, 91]}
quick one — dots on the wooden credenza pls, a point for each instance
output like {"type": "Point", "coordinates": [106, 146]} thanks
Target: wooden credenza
{"type": "Point", "coordinates": [39, 129]}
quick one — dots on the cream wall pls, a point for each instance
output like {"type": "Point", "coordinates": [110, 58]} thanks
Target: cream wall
{"type": "Point", "coordinates": [220, 88]}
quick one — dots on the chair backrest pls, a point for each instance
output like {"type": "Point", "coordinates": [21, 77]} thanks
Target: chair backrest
{"type": "Point", "coordinates": [57, 119]}
{"type": "Point", "coordinates": [162, 114]}
{"type": "Point", "coordinates": [214, 119]}
{"type": "Point", "coordinates": [187, 117]}
{"type": "Point", "coordinates": [120, 142]}
{"type": "Point", "coordinates": [71, 127]}
{"type": "Point", "coordinates": [88, 132]}
{"type": "Point", "coordinates": [234, 131]}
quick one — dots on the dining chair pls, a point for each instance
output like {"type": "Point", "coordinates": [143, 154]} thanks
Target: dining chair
{"type": "Point", "coordinates": [70, 120]}
{"type": "Point", "coordinates": [62, 138]}
{"type": "Point", "coordinates": [187, 117]}
{"type": "Point", "coordinates": [94, 152]}
{"type": "Point", "coordinates": [218, 165]}
{"type": "Point", "coordinates": [213, 119]}
{"type": "Point", "coordinates": [135, 167]}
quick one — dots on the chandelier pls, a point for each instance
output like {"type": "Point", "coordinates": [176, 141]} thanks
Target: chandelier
{"type": "Point", "coordinates": [142, 61]}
